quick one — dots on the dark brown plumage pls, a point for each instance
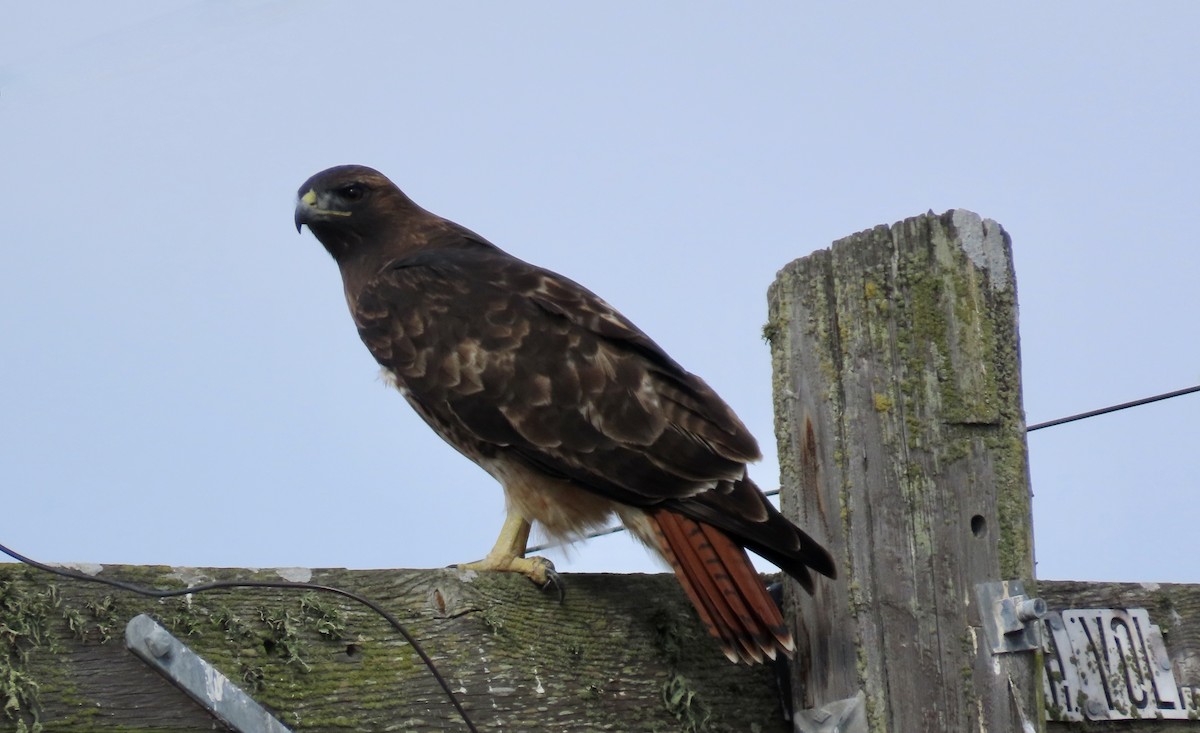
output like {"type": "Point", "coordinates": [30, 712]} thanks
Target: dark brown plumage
{"type": "Point", "coordinates": [563, 400]}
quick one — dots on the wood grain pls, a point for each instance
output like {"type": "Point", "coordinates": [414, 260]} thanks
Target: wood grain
{"type": "Point", "coordinates": [622, 653]}
{"type": "Point", "coordinates": [901, 443]}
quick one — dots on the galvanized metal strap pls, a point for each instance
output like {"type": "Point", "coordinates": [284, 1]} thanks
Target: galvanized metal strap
{"type": "Point", "coordinates": [203, 682]}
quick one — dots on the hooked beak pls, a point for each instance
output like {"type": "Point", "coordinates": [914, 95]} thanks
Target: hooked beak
{"type": "Point", "coordinates": [304, 208]}
{"type": "Point", "coordinates": [309, 210]}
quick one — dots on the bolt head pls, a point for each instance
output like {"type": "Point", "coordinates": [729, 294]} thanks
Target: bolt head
{"type": "Point", "coordinates": [159, 643]}
{"type": "Point", "coordinates": [1096, 709]}
{"type": "Point", "coordinates": [1030, 609]}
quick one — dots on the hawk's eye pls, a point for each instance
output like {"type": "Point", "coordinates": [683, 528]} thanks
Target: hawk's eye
{"type": "Point", "coordinates": [353, 191]}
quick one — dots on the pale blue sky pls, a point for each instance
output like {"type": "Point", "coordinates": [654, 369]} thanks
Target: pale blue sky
{"type": "Point", "coordinates": [180, 382]}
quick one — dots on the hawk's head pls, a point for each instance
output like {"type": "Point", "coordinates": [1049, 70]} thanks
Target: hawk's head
{"type": "Point", "coordinates": [348, 205]}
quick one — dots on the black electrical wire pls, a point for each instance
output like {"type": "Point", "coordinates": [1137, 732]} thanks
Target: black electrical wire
{"type": "Point", "coordinates": [1113, 408]}
{"type": "Point", "coordinates": [1030, 429]}
{"type": "Point", "coordinates": [236, 584]}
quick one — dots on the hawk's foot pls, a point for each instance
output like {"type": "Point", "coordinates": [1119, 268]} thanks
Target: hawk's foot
{"type": "Point", "coordinates": [538, 569]}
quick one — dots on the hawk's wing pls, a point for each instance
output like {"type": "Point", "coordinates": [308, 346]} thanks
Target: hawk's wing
{"type": "Point", "coordinates": [507, 360]}
{"type": "Point", "coordinates": [516, 359]}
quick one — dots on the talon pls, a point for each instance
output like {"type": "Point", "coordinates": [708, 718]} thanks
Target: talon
{"type": "Point", "coordinates": [508, 557]}
{"type": "Point", "coordinates": [541, 570]}
{"type": "Point", "coordinates": [537, 569]}
{"type": "Point", "coordinates": [542, 573]}
{"type": "Point", "coordinates": [556, 580]}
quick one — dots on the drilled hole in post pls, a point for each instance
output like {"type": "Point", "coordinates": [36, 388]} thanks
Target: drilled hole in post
{"type": "Point", "coordinates": [351, 650]}
{"type": "Point", "coordinates": [978, 525]}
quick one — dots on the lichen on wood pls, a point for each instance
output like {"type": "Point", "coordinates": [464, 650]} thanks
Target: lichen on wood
{"type": "Point", "coordinates": [898, 415]}
{"type": "Point", "coordinates": [623, 652]}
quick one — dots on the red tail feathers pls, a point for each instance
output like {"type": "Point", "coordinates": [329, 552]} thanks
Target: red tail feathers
{"type": "Point", "coordinates": [724, 588]}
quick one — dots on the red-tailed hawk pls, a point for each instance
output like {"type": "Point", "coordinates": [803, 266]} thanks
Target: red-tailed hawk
{"type": "Point", "coordinates": [575, 411]}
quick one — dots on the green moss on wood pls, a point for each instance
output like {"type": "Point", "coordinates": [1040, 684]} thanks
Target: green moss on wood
{"type": "Point", "coordinates": [770, 331]}
{"type": "Point", "coordinates": [915, 347]}
{"type": "Point", "coordinates": [682, 701]}
{"type": "Point", "coordinates": [25, 617]}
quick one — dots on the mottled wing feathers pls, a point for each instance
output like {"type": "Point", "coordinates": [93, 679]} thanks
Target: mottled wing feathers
{"type": "Point", "coordinates": [504, 359]}
{"type": "Point", "coordinates": [508, 361]}
{"type": "Point", "coordinates": [514, 358]}
{"type": "Point", "coordinates": [694, 409]}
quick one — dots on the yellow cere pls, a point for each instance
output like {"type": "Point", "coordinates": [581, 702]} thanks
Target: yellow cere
{"type": "Point", "coordinates": [310, 200]}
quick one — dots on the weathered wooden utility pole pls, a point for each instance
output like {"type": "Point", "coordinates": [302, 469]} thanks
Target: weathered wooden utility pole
{"type": "Point", "coordinates": [902, 448]}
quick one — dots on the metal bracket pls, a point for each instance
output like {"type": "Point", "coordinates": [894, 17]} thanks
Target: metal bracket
{"type": "Point", "coordinates": [1009, 617]}
{"type": "Point", "coordinates": [199, 679]}
{"type": "Point", "coordinates": [841, 716]}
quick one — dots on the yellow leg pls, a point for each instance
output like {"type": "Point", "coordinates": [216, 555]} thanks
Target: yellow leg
{"type": "Point", "coordinates": [508, 554]}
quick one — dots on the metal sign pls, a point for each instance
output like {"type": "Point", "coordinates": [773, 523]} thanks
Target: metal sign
{"type": "Point", "coordinates": [1110, 664]}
